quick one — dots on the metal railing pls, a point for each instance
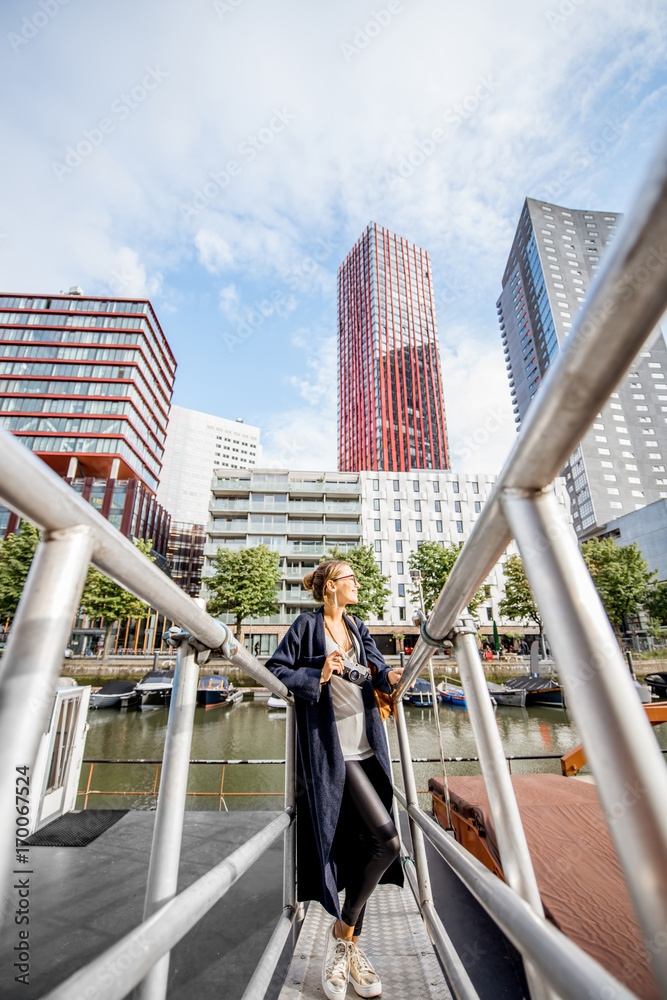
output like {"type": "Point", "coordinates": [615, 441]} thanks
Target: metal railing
{"type": "Point", "coordinates": [623, 306]}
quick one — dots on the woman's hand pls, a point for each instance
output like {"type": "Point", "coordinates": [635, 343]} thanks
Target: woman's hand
{"type": "Point", "coordinates": [332, 665]}
{"type": "Point", "coordinates": [394, 676]}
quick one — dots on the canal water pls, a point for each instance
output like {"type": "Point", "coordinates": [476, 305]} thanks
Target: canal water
{"type": "Point", "coordinates": [251, 730]}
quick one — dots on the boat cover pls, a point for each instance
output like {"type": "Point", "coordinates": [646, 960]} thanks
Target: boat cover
{"type": "Point", "coordinates": [578, 873]}
{"type": "Point", "coordinates": [532, 683]}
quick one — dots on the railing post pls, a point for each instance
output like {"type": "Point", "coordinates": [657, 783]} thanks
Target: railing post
{"type": "Point", "coordinates": [409, 784]}
{"type": "Point", "coordinates": [168, 830]}
{"type": "Point", "coordinates": [512, 844]}
{"type": "Point", "coordinates": [31, 664]}
{"type": "Point", "coordinates": [626, 761]}
{"type": "Point", "coordinates": [289, 850]}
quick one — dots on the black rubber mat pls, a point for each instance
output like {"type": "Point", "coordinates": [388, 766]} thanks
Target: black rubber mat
{"type": "Point", "coordinates": [75, 829]}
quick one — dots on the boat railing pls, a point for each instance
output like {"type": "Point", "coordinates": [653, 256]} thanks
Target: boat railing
{"type": "Point", "coordinates": [623, 306]}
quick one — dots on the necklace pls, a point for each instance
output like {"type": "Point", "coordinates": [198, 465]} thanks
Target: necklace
{"type": "Point", "coordinates": [339, 644]}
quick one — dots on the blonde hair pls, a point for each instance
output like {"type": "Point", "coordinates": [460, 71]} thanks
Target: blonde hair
{"type": "Point", "coordinates": [318, 579]}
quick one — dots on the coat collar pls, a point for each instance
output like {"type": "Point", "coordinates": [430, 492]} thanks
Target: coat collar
{"type": "Point", "coordinates": [349, 621]}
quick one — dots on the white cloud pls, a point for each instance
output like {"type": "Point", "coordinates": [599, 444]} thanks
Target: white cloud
{"type": "Point", "coordinates": [214, 253]}
{"type": "Point", "coordinates": [229, 301]}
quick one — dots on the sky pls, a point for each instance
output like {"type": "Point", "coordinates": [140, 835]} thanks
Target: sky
{"type": "Point", "coordinates": [223, 156]}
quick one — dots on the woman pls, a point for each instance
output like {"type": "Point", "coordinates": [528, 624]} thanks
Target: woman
{"type": "Point", "coordinates": [346, 838]}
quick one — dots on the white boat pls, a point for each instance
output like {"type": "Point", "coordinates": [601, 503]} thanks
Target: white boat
{"type": "Point", "coordinates": [155, 689]}
{"type": "Point", "coordinates": [502, 695]}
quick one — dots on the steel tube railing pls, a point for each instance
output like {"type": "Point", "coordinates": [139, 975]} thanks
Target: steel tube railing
{"type": "Point", "coordinates": [263, 974]}
{"type": "Point", "coordinates": [623, 753]}
{"type": "Point", "coordinates": [168, 830]}
{"type": "Point", "coordinates": [568, 970]}
{"type": "Point", "coordinates": [418, 846]}
{"type": "Point", "coordinates": [512, 845]}
{"type": "Point", "coordinates": [289, 847]}
{"type": "Point", "coordinates": [30, 667]}
{"type": "Point", "coordinates": [618, 316]}
{"type": "Point", "coordinates": [35, 492]}
{"type": "Point", "coordinates": [113, 974]}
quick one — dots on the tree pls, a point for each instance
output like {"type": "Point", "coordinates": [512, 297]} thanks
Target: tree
{"type": "Point", "coordinates": [373, 592]}
{"type": "Point", "coordinates": [655, 603]}
{"type": "Point", "coordinates": [245, 584]}
{"type": "Point", "coordinates": [435, 562]}
{"type": "Point", "coordinates": [102, 598]}
{"type": "Point", "coordinates": [16, 554]}
{"type": "Point", "coordinates": [621, 576]}
{"type": "Point", "coordinates": [518, 602]}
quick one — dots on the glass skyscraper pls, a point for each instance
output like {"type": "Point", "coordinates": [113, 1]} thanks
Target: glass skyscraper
{"type": "Point", "coordinates": [391, 415]}
{"type": "Point", "coordinates": [619, 465]}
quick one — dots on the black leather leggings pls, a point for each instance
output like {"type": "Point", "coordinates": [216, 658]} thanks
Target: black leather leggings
{"type": "Point", "coordinates": [386, 843]}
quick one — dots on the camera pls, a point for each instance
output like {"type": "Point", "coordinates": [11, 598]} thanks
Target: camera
{"type": "Point", "coordinates": [355, 674]}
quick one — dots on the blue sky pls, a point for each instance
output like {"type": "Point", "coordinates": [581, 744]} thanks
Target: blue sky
{"type": "Point", "coordinates": [222, 156]}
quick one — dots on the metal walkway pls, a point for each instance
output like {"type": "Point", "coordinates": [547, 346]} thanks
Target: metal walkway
{"type": "Point", "coordinates": [394, 939]}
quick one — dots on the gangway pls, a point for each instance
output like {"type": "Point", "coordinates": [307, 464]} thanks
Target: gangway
{"type": "Point", "coordinates": [622, 308]}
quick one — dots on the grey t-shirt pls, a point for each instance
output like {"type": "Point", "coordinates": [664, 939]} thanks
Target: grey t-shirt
{"type": "Point", "coordinates": [348, 706]}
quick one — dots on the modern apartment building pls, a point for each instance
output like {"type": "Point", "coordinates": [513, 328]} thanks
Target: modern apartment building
{"type": "Point", "coordinates": [185, 553]}
{"type": "Point", "coordinates": [619, 465]}
{"type": "Point", "coordinates": [303, 515]}
{"type": "Point", "coordinates": [86, 384]}
{"type": "Point", "coordinates": [391, 414]}
{"type": "Point", "coordinates": [196, 443]}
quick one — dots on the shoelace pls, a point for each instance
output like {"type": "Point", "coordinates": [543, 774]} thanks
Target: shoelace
{"type": "Point", "coordinates": [362, 964]}
{"type": "Point", "coordinates": [336, 967]}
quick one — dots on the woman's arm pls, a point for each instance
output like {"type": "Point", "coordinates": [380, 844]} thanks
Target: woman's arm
{"type": "Point", "coordinates": [303, 681]}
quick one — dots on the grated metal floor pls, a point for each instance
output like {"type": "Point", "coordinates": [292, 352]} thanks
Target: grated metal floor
{"type": "Point", "coordinates": [395, 940]}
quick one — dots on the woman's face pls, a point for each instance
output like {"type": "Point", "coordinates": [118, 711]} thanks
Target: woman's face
{"type": "Point", "coordinates": [345, 586]}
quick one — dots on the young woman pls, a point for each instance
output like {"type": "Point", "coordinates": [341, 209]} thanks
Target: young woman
{"type": "Point", "coordinates": [346, 838]}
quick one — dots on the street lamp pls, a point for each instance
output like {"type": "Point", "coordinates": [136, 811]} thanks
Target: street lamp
{"type": "Point", "coordinates": [416, 577]}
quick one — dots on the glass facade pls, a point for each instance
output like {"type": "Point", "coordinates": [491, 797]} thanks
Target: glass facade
{"type": "Point", "coordinates": [390, 403]}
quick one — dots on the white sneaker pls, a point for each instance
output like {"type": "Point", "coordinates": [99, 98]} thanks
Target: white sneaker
{"type": "Point", "coordinates": [364, 978]}
{"type": "Point", "coordinates": [336, 966]}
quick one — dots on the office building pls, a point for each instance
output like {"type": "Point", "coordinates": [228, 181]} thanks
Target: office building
{"type": "Point", "coordinates": [303, 515]}
{"type": "Point", "coordinates": [197, 443]}
{"type": "Point", "coordinates": [619, 465]}
{"type": "Point", "coordinates": [86, 384]}
{"type": "Point", "coordinates": [391, 415]}
{"type": "Point", "coordinates": [185, 554]}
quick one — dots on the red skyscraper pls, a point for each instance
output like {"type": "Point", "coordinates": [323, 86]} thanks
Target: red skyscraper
{"type": "Point", "coordinates": [390, 410]}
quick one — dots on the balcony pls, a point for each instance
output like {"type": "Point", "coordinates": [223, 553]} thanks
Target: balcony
{"type": "Point", "coordinates": [300, 486]}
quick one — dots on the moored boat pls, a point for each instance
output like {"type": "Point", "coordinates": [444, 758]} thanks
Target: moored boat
{"type": "Point", "coordinates": [658, 684]}
{"type": "Point", "coordinates": [451, 694]}
{"type": "Point", "coordinates": [217, 691]}
{"type": "Point", "coordinates": [539, 690]}
{"type": "Point", "coordinates": [419, 694]}
{"type": "Point", "coordinates": [503, 695]}
{"type": "Point", "coordinates": [116, 694]}
{"type": "Point", "coordinates": [154, 689]}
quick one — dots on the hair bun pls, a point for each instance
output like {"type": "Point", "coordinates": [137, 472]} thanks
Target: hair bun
{"type": "Point", "coordinates": [308, 581]}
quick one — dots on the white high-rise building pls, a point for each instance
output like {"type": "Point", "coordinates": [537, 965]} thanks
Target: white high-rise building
{"type": "Point", "coordinates": [196, 444]}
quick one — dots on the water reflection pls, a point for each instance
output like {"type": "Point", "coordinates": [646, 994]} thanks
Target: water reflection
{"type": "Point", "coordinates": [252, 730]}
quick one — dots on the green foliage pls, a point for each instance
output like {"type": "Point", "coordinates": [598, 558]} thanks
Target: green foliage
{"type": "Point", "coordinates": [244, 584]}
{"type": "Point", "coordinates": [16, 553]}
{"type": "Point", "coordinates": [621, 576]}
{"type": "Point", "coordinates": [373, 591]}
{"type": "Point", "coordinates": [518, 602]}
{"type": "Point", "coordinates": [435, 562]}
{"type": "Point", "coordinates": [102, 598]}
{"type": "Point", "coordinates": [655, 603]}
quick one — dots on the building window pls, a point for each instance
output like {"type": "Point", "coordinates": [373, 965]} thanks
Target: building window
{"type": "Point", "coordinates": [457, 506]}
{"type": "Point", "coordinates": [376, 524]}
{"type": "Point", "coordinates": [478, 507]}
{"type": "Point", "coordinates": [475, 487]}
{"type": "Point", "coordinates": [397, 504]}
{"type": "Point", "coordinates": [455, 487]}
{"type": "Point", "coordinates": [415, 485]}
{"type": "Point", "coordinates": [379, 566]}
{"type": "Point", "coordinates": [418, 525]}
{"type": "Point", "coordinates": [378, 545]}
{"type": "Point", "coordinates": [397, 485]}
{"type": "Point", "coordinates": [436, 486]}
{"type": "Point", "coordinates": [376, 505]}
{"type": "Point", "coordinates": [399, 568]}
{"type": "Point", "coordinates": [401, 590]}
{"type": "Point", "coordinates": [459, 527]}
{"type": "Point", "coordinates": [437, 506]}
{"type": "Point", "coordinates": [399, 545]}
{"type": "Point", "coordinates": [418, 506]}
{"type": "Point", "coordinates": [397, 524]}
{"type": "Point", "coordinates": [376, 484]}
{"type": "Point", "coordinates": [438, 525]}
{"type": "Point", "coordinates": [401, 614]}
{"type": "Point", "coordinates": [489, 614]}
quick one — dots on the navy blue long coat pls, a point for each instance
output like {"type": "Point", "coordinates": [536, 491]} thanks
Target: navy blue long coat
{"type": "Point", "coordinates": [324, 861]}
